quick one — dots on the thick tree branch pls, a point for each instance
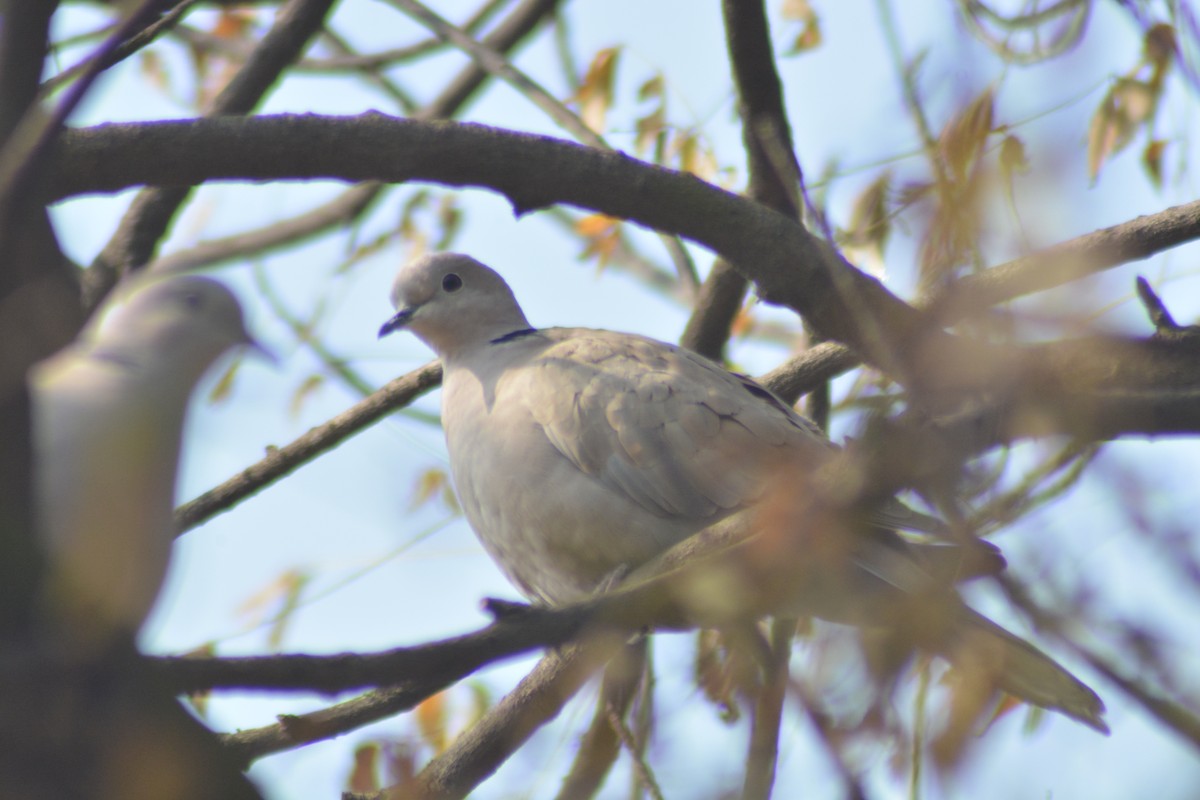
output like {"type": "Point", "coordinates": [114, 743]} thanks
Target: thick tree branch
{"type": "Point", "coordinates": [791, 267]}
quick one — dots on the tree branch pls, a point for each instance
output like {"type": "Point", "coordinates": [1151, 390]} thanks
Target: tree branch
{"type": "Point", "coordinates": [152, 211]}
{"type": "Point", "coordinates": [400, 392]}
{"type": "Point", "coordinates": [523, 20]}
{"type": "Point", "coordinates": [774, 174]}
{"type": "Point", "coordinates": [791, 266]}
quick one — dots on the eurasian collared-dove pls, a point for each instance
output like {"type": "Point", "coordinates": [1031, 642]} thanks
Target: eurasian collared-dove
{"type": "Point", "coordinates": [578, 454]}
{"type": "Point", "coordinates": [108, 415]}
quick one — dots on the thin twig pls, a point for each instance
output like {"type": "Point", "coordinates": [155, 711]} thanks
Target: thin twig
{"type": "Point", "coordinates": [285, 460]}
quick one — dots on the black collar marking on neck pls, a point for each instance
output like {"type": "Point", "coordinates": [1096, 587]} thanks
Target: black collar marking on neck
{"type": "Point", "coordinates": [508, 337]}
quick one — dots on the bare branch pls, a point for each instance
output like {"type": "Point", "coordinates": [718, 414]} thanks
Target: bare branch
{"type": "Point", "coordinates": [763, 756]}
{"type": "Point", "coordinates": [152, 211]}
{"type": "Point", "coordinates": [538, 698]}
{"type": "Point", "coordinates": [1067, 261]}
{"type": "Point", "coordinates": [124, 49]}
{"type": "Point", "coordinates": [568, 120]}
{"type": "Point", "coordinates": [355, 201]}
{"type": "Point", "coordinates": [600, 744]}
{"type": "Point", "coordinates": [1164, 323]}
{"type": "Point", "coordinates": [346, 207]}
{"type": "Point", "coordinates": [281, 462]}
{"type": "Point", "coordinates": [771, 162]}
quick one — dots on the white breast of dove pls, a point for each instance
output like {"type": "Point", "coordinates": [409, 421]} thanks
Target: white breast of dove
{"type": "Point", "coordinates": [578, 452]}
{"type": "Point", "coordinates": [108, 415]}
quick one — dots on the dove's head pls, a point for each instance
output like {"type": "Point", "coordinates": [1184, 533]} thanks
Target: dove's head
{"type": "Point", "coordinates": [453, 303]}
{"type": "Point", "coordinates": [178, 323]}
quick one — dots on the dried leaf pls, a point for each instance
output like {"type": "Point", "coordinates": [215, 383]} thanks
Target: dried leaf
{"type": "Point", "coordinates": [693, 156]}
{"type": "Point", "coordinates": [809, 37]}
{"type": "Point", "coordinates": [870, 226]}
{"type": "Point", "coordinates": [652, 88]}
{"type": "Point", "coordinates": [1127, 105]}
{"type": "Point", "coordinates": [234, 24]}
{"type": "Point", "coordinates": [912, 193]}
{"type": "Point", "coordinates": [1012, 156]}
{"type": "Point", "coordinates": [1159, 50]}
{"type": "Point", "coordinates": [965, 136]}
{"type": "Point", "coordinates": [154, 70]}
{"type": "Point", "coordinates": [432, 482]}
{"type": "Point", "coordinates": [743, 321]}
{"type": "Point", "coordinates": [713, 675]}
{"type": "Point", "coordinates": [1152, 161]}
{"type": "Point", "coordinates": [481, 701]}
{"type": "Point", "coordinates": [431, 716]}
{"type": "Point", "coordinates": [224, 385]}
{"type": "Point", "coordinates": [603, 235]}
{"type": "Point", "coordinates": [364, 776]}
{"type": "Point", "coordinates": [651, 130]}
{"type": "Point", "coordinates": [285, 589]}
{"type": "Point", "coordinates": [449, 218]}
{"type": "Point", "coordinates": [595, 93]}
{"type": "Point", "coordinates": [305, 390]}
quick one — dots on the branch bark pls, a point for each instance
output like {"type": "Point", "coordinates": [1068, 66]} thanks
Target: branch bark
{"type": "Point", "coordinates": [791, 267]}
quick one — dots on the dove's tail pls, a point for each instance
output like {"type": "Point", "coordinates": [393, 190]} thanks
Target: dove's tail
{"type": "Point", "coordinates": [1023, 671]}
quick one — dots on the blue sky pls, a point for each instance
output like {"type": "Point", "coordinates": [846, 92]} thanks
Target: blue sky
{"type": "Point", "coordinates": [383, 574]}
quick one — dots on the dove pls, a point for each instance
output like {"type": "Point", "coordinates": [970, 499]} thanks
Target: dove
{"type": "Point", "coordinates": [580, 454]}
{"type": "Point", "coordinates": [108, 413]}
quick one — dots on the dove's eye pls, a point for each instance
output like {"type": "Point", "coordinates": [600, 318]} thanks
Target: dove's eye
{"type": "Point", "coordinates": [451, 283]}
{"type": "Point", "coordinates": [191, 300]}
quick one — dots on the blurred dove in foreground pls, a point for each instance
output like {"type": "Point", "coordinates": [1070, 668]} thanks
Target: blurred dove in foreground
{"type": "Point", "coordinates": [578, 454]}
{"type": "Point", "coordinates": [108, 414]}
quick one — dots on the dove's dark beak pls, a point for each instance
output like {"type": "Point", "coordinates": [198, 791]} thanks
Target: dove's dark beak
{"type": "Point", "coordinates": [402, 318]}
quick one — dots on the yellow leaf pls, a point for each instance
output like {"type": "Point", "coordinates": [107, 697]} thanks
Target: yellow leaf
{"type": "Point", "coordinates": [594, 225]}
{"type": "Point", "coordinates": [1152, 161]}
{"type": "Point", "coordinates": [1128, 104]}
{"type": "Point", "coordinates": [743, 321]}
{"type": "Point", "coordinates": [233, 24]}
{"type": "Point", "coordinates": [801, 11]}
{"type": "Point", "coordinates": [870, 226]}
{"type": "Point", "coordinates": [965, 136]}
{"type": "Point", "coordinates": [154, 70]}
{"type": "Point", "coordinates": [286, 589]}
{"type": "Point", "coordinates": [449, 219]}
{"type": "Point", "coordinates": [595, 93]}
{"type": "Point", "coordinates": [224, 385]}
{"type": "Point", "coordinates": [364, 776]}
{"type": "Point", "coordinates": [603, 235]}
{"type": "Point", "coordinates": [652, 88]}
{"type": "Point", "coordinates": [1159, 50]}
{"type": "Point", "coordinates": [305, 390]}
{"type": "Point", "coordinates": [1012, 156]}
{"type": "Point", "coordinates": [432, 482]}
{"type": "Point", "coordinates": [694, 156]}
{"type": "Point", "coordinates": [431, 717]}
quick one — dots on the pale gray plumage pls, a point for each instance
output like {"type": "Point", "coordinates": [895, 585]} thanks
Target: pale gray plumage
{"type": "Point", "coordinates": [108, 414]}
{"type": "Point", "coordinates": [580, 453]}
